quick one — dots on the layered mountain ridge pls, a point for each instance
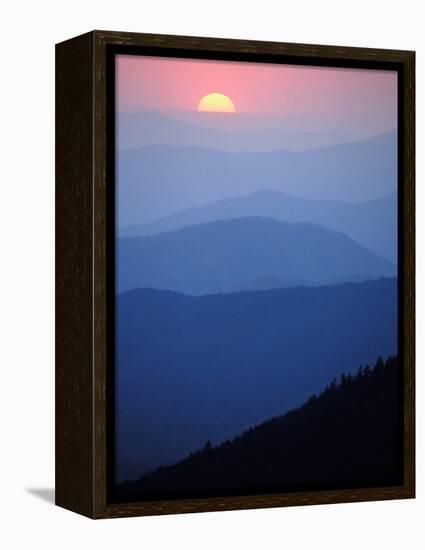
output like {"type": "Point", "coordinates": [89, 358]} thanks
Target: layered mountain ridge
{"type": "Point", "coordinates": [244, 254]}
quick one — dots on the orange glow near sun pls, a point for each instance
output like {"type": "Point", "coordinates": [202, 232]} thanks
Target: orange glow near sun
{"type": "Point", "coordinates": [216, 103]}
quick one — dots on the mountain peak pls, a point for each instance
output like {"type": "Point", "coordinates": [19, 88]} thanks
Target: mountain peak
{"type": "Point", "coordinates": [248, 253]}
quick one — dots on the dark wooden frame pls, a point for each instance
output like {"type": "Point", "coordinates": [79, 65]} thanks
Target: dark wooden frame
{"type": "Point", "coordinates": [82, 268]}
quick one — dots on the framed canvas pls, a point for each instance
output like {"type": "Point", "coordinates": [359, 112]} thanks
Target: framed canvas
{"type": "Point", "coordinates": [234, 274]}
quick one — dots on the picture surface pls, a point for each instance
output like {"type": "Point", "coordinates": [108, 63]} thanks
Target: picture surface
{"type": "Point", "coordinates": [256, 314]}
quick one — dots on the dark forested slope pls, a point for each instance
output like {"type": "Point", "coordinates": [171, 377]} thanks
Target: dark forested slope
{"type": "Point", "coordinates": [349, 434]}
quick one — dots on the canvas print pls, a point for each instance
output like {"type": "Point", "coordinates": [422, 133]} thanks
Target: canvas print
{"type": "Point", "coordinates": [256, 313]}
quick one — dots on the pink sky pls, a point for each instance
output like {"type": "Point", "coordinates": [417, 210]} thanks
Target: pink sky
{"type": "Point", "coordinates": [337, 95]}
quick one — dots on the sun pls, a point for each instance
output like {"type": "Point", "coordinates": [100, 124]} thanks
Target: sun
{"type": "Point", "coordinates": [216, 102]}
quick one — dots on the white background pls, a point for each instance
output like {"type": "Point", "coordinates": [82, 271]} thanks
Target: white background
{"type": "Point", "coordinates": [29, 31]}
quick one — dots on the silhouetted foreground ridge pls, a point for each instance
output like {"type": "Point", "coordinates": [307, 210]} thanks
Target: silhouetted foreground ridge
{"type": "Point", "coordinates": [347, 435]}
